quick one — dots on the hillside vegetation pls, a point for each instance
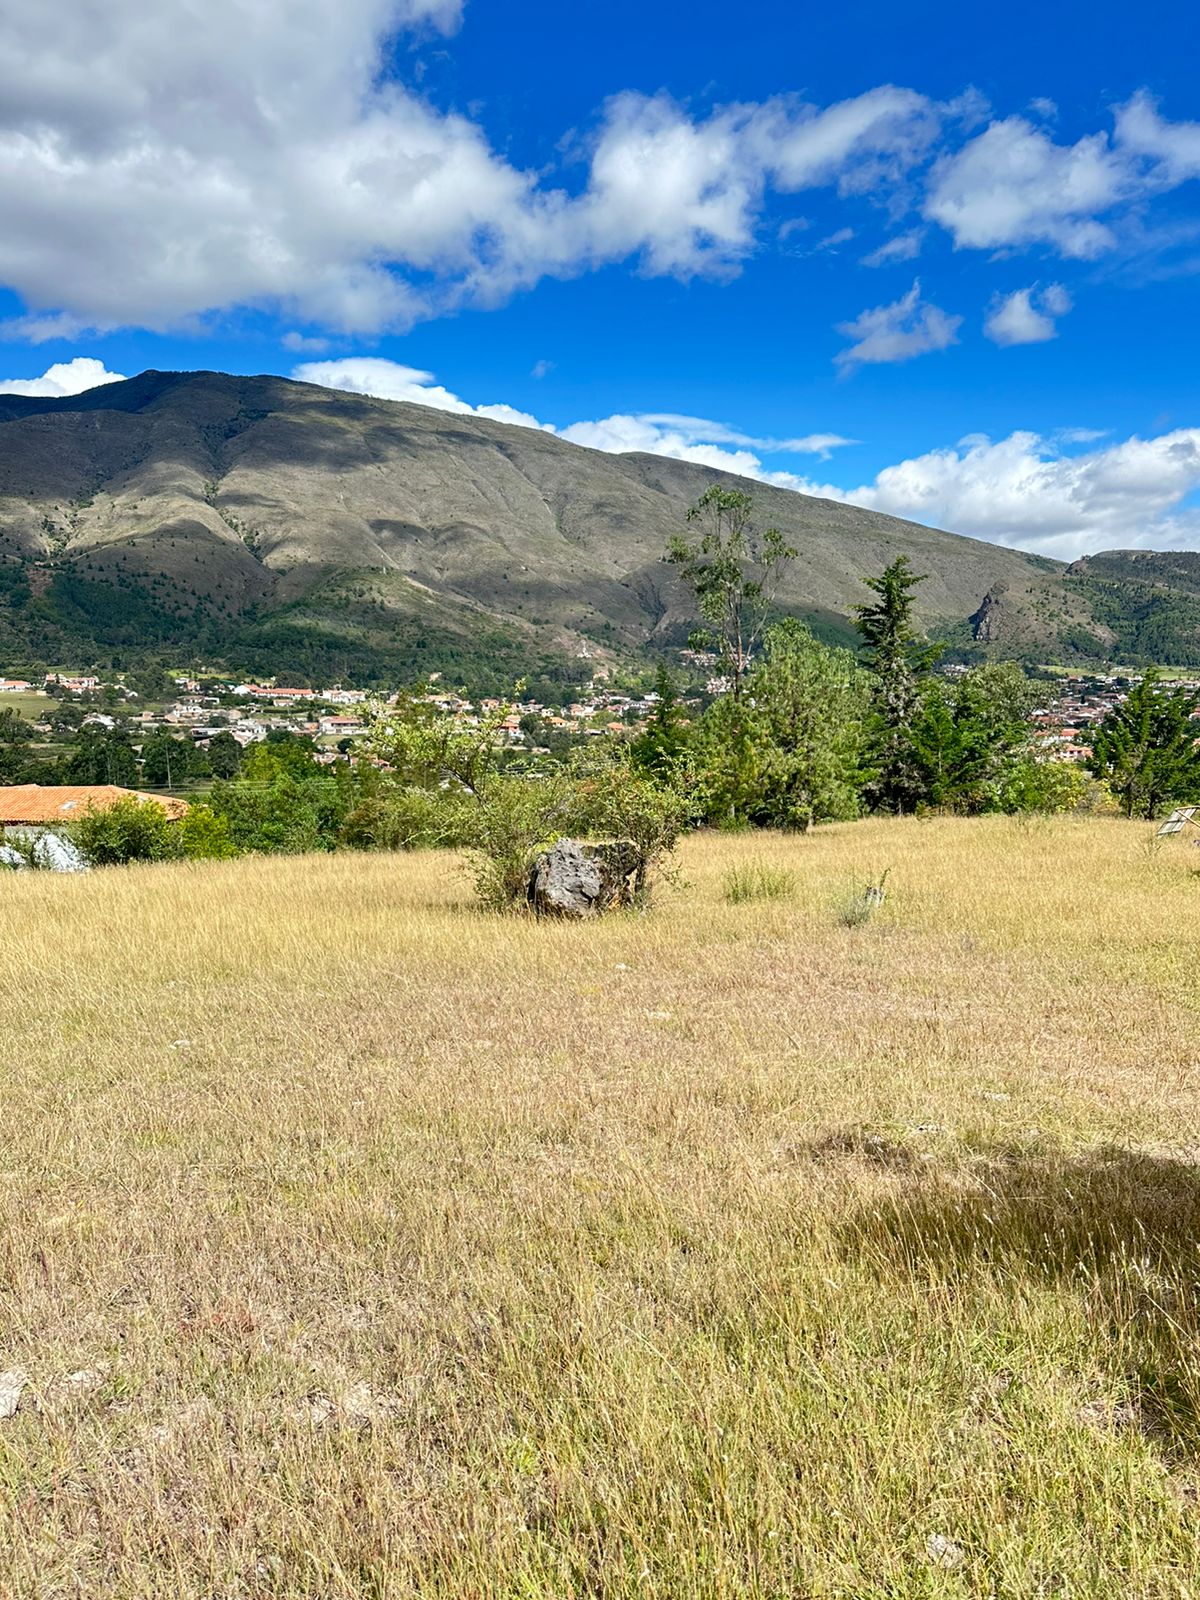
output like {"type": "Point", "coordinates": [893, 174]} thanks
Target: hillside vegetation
{"type": "Point", "coordinates": [277, 526]}
{"type": "Point", "coordinates": [358, 1243]}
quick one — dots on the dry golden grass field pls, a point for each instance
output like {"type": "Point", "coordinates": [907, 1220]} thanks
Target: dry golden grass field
{"type": "Point", "coordinates": [357, 1243]}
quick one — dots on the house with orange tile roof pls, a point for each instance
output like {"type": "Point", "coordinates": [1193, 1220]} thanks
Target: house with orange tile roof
{"type": "Point", "coordinates": [42, 805]}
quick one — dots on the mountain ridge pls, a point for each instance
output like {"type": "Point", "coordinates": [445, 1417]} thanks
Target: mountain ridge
{"type": "Point", "coordinates": [242, 512]}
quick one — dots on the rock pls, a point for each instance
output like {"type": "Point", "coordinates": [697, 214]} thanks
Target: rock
{"type": "Point", "coordinates": [583, 877]}
{"type": "Point", "coordinates": [55, 854]}
{"type": "Point", "coordinates": [12, 1383]}
{"type": "Point", "coordinates": [944, 1553]}
{"type": "Point", "coordinates": [987, 623]}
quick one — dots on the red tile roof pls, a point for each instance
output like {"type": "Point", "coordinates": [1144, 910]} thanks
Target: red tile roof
{"type": "Point", "coordinates": [65, 802]}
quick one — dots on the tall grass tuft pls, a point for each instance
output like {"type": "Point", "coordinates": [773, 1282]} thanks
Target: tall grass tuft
{"type": "Point", "coordinates": [755, 880]}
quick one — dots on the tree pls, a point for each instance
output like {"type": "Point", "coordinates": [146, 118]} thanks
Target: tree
{"type": "Point", "coordinates": [790, 753]}
{"type": "Point", "coordinates": [899, 660]}
{"type": "Point", "coordinates": [224, 755]}
{"type": "Point", "coordinates": [1146, 749]}
{"type": "Point", "coordinates": [15, 735]}
{"type": "Point", "coordinates": [168, 761]}
{"type": "Point", "coordinates": [425, 747]}
{"type": "Point", "coordinates": [101, 755]}
{"type": "Point", "coordinates": [659, 749]}
{"type": "Point", "coordinates": [967, 733]}
{"type": "Point", "coordinates": [735, 575]}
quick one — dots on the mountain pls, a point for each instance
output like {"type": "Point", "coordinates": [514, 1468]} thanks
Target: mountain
{"type": "Point", "coordinates": [277, 526]}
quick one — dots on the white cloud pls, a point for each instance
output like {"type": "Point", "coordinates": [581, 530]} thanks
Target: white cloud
{"type": "Point", "coordinates": [658, 433]}
{"type": "Point", "coordinates": [831, 241]}
{"type": "Point", "coordinates": [64, 378]}
{"type": "Point", "coordinates": [159, 163]}
{"type": "Point", "coordinates": [1174, 146]}
{"type": "Point", "coordinates": [541, 369]}
{"type": "Point", "coordinates": [1024, 491]}
{"type": "Point", "coordinates": [388, 380]}
{"type": "Point", "coordinates": [305, 343]}
{"type": "Point", "coordinates": [1014, 186]}
{"type": "Point", "coordinates": [904, 247]}
{"type": "Point", "coordinates": [908, 327]}
{"type": "Point", "coordinates": [1027, 315]}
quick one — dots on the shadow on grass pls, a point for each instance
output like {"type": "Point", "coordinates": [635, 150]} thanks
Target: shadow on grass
{"type": "Point", "coordinates": [1115, 1230]}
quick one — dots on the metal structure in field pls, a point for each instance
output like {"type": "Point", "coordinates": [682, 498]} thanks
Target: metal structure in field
{"type": "Point", "coordinates": [1179, 819]}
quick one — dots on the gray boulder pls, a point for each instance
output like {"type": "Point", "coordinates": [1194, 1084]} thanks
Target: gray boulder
{"type": "Point", "coordinates": [583, 877]}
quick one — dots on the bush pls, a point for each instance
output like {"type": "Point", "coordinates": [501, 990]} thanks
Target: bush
{"type": "Point", "coordinates": [757, 881]}
{"type": "Point", "coordinates": [129, 830]}
{"type": "Point", "coordinates": [611, 799]}
{"type": "Point", "coordinates": [1039, 784]}
{"type": "Point", "coordinates": [861, 904]}
{"type": "Point", "coordinates": [411, 819]}
{"type": "Point", "coordinates": [282, 817]}
{"type": "Point", "coordinates": [603, 798]}
{"type": "Point", "coordinates": [205, 836]}
{"type": "Point", "coordinates": [517, 817]}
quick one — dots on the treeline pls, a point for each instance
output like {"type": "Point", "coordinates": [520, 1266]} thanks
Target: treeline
{"type": "Point", "coordinates": [801, 733]}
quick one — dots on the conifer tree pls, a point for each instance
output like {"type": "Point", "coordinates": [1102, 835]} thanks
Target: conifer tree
{"type": "Point", "coordinates": [899, 660]}
{"type": "Point", "coordinates": [1146, 748]}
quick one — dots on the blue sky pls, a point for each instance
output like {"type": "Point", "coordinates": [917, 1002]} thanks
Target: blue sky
{"type": "Point", "coordinates": [939, 260]}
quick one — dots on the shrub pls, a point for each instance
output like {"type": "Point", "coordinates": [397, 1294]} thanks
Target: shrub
{"type": "Point", "coordinates": [129, 830]}
{"type": "Point", "coordinates": [410, 819]}
{"type": "Point", "coordinates": [611, 799]}
{"type": "Point", "coordinates": [1038, 784]}
{"type": "Point", "coordinates": [600, 798]}
{"type": "Point", "coordinates": [204, 836]}
{"type": "Point", "coordinates": [757, 881]}
{"type": "Point", "coordinates": [517, 817]}
{"type": "Point", "coordinates": [281, 817]}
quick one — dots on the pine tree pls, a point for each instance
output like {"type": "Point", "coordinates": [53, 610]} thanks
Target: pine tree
{"type": "Point", "coordinates": [1146, 748]}
{"type": "Point", "coordinates": [658, 750]}
{"type": "Point", "coordinates": [899, 660]}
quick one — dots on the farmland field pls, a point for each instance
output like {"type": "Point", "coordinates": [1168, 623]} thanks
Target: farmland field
{"type": "Point", "coordinates": [357, 1243]}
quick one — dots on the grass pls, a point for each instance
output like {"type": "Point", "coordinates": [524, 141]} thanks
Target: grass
{"type": "Point", "coordinates": [757, 880]}
{"type": "Point", "coordinates": [355, 1243]}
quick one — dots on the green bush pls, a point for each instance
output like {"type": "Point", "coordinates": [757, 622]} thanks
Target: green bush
{"type": "Point", "coordinates": [411, 819]}
{"type": "Point", "coordinates": [280, 817]}
{"type": "Point", "coordinates": [1038, 784]}
{"type": "Point", "coordinates": [129, 830]}
{"type": "Point", "coordinates": [517, 817]}
{"type": "Point", "coordinates": [205, 836]}
{"type": "Point", "coordinates": [602, 797]}
{"type": "Point", "coordinates": [758, 881]}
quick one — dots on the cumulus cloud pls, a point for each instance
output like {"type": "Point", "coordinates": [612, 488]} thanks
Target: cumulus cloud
{"type": "Point", "coordinates": [305, 343]}
{"type": "Point", "coordinates": [1027, 315]}
{"type": "Point", "coordinates": [1014, 186]}
{"type": "Point", "coordinates": [906, 328]}
{"type": "Point", "coordinates": [1174, 147]}
{"type": "Point", "coordinates": [159, 163]}
{"type": "Point", "coordinates": [64, 378]}
{"type": "Point", "coordinates": [389, 380]}
{"type": "Point", "coordinates": [658, 433]}
{"type": "Point", "coordinates": [1025, 491]}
